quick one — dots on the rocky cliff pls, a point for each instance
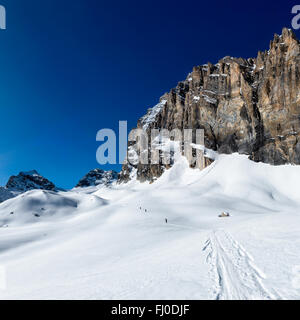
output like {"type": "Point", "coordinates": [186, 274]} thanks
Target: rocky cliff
{"type": "Point", "coordinates": [5, 194]}
{"type": "Point", "coordinates": [250, 106]}
{"type": "Point", "coordinates": [30, 180]}
{"type": "Point", "coordinates": [98, 177]}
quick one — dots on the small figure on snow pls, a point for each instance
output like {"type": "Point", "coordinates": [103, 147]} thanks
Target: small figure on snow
{"type": "Point", "coordinates": [166, 220]}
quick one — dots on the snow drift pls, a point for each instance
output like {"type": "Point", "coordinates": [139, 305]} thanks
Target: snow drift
{"type": "Point", "coordinates": [38, 205]}
{"type": "Point", "coordinates": [122, 247]}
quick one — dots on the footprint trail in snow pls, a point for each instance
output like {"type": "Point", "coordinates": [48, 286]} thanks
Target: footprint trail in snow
{"type": "Point", "coordinates": [235, 274]}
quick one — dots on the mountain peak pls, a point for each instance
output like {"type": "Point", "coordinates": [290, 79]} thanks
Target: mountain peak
{"type": "Point", "coordinates": [250, 106]}
{"type": "Point", "coordinates": [98, 177]}
{"type": "Point", "coordinates": [29, 180]}
{"type": "Point", "coordinates": [288, 33]}
{"type": "Point", "coordinates": [30, 173]}
{"type": "Point", "coordinates": [287, 38]}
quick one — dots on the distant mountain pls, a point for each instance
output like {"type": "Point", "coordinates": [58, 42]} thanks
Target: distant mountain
{"type": "Point", "coordinates": [5, 194]}
{"type": "Point", "coordinates": [98, 177]}
{"type": "Point", "coordinates": [29, 180]}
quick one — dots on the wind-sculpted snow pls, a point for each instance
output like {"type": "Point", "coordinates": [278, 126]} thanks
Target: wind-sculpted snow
{"type": "Point", "coordinates": [114, 242]}
{"type": "Point", "coordinates": [40, 205]}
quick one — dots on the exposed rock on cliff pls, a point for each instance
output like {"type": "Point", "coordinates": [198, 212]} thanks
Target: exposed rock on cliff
{"type": "Point", "coordinates": [98, 177]}
{"type": "Point", "coordinates": [250, 106]}
{"type": "Point", "coordinates": [30, 180]}
{"type": "Point", "coordinates": [5, 194]}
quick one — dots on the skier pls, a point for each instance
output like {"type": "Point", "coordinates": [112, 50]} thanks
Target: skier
{"type": "Point", "coordinates": [166, 220]}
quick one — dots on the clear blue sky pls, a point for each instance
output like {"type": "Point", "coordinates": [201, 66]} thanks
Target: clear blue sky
{"type": "Point", "coordinates": [69, 68]}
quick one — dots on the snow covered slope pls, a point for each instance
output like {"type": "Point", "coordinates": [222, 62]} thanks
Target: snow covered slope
{"type": "Point", "coordinates": [122, 247]}
{"type": "Point", "coordinates": [40, 205]}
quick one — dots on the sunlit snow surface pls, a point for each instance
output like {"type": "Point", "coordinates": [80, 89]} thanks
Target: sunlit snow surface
{"type": "Point", "coordinates": [102, 244]}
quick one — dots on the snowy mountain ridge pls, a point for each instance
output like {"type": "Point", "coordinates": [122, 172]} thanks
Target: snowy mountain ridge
{"type": "Point", "coordinates": [168, 239]}
{"type": "Point", "coordinates": [250, 106]}
{"type": "Point", "coordinates": [30, 180]}
{"type": "Point", "coordinates": [114, 243]}
{"type": "Point", "coordinates": [98, 177]}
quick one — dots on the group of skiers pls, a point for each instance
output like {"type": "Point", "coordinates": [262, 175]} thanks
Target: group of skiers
{"type": "Point", "coordinates": [141, 209]}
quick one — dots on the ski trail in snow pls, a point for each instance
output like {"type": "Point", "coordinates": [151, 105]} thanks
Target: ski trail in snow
{"type": "Point", "coordinates": [233, 269]}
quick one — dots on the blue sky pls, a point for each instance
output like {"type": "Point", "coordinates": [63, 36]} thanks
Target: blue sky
{"type": "Point", "coordinates": [70, 68]}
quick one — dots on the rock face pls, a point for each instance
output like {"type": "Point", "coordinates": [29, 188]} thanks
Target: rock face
{"type": "Point", "coordinates": [250, 106]}
{"type": "Point", "coordinates": [98, 177]}
{"type": "Point", "coordinates": [30, 180]}
{"type": "Point", "coordinates": [5, 194]}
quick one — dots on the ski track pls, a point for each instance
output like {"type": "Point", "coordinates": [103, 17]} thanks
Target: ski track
{"type": "Point", "coordinates": [235, 275]}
